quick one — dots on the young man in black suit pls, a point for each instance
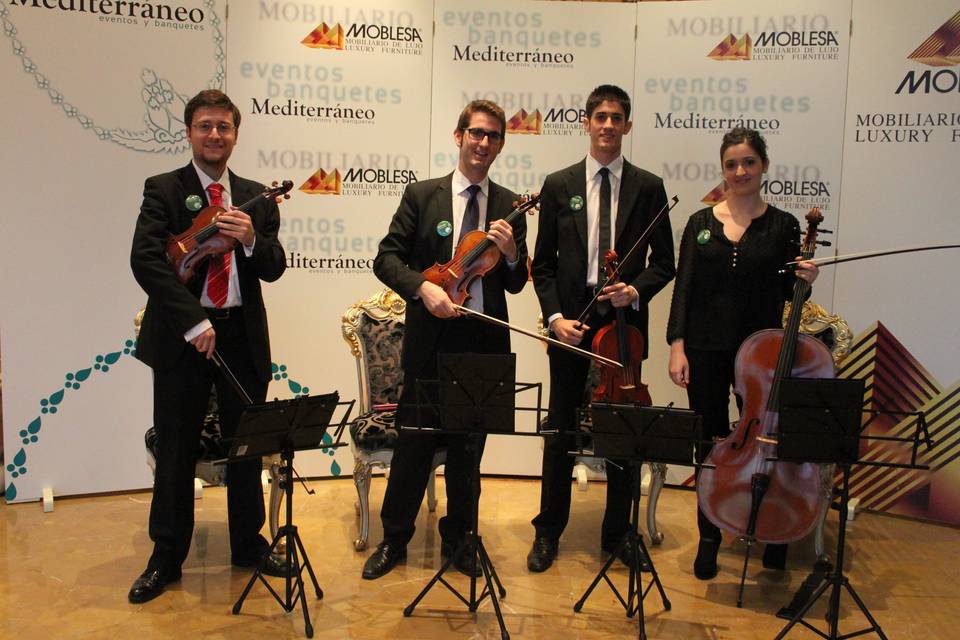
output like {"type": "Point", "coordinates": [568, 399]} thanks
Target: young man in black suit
{"type": "Point", "coordinates": [220, 309]}
{"type": "Point", "coordinates": [425, 230]}
{"type": "Point", "coordinates": [598, 203]}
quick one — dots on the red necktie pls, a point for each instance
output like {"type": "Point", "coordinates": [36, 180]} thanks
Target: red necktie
{"type": "Point", "coordinates": [218, 272]}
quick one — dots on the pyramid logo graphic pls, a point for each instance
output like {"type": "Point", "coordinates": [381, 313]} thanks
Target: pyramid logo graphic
{"type": "Point", "coordinates": [733, 48]}
{"type": "Point", "coordinates": [322, 183]}
{"type": "Point", "coordinates": [526, 123]}
{"type": "Point", "coordinates": [324, 37]}
{"type": "Point", "coordinates": [902, 389]}
{"type": "Point", "coordinates": [716, 196]}
{"type": "Point", "coordinates": [942, 48]}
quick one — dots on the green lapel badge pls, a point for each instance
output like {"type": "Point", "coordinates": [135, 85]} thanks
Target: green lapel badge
{"type": "Point", "coordinates": [194, 202]}
{"type": "Point", "coordinates": [444, 228]}
{"type": "Point", "coordinates": [576, 203]}
{"type": "Point", "coordinates": [703, 237]}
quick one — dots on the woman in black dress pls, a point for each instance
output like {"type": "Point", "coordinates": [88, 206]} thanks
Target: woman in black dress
{"type": "Point", "coordinates": [729, 286]}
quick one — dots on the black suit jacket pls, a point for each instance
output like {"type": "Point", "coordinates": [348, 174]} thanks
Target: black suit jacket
{"type": "Point", "coordinates": [412, 244]}
{"type": "Point", "coordinates": [560, 258]}
{"type": "Point", "coordinates": [173, 308]}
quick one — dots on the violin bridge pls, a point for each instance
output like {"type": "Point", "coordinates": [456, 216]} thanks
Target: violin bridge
{"type": "Point", "coordinates": [766, 440]}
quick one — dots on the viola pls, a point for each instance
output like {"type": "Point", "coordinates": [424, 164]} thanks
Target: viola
{"type": "Point", "coordinates": [475, 256]}
{"type": "Point", "coordinates": [623, 342]}
{"type": "Point", "coordinates": [746, 492]}
{"type": "Point", "coordinates": [187, 251]}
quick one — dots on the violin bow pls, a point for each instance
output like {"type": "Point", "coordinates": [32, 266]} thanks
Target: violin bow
{"type": "Point", "coordinates": [615, 275]}
{"type": "Point", "coordinates": [500, 323]}
{"type": "Point", "coordinates": [852, 257]}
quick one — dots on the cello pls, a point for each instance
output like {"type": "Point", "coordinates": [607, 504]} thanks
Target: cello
{"type": "Point", "coordinates": [740, 489]}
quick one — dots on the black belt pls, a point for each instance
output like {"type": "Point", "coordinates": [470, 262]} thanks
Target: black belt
{"type": "Point", "coordinates": [223, 313]}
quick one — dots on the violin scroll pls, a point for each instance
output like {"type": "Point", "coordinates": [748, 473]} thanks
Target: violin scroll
{"type": "Point", "coordinates": [527, 203]}
{"type": "Point", "coordinates": [278, 192]}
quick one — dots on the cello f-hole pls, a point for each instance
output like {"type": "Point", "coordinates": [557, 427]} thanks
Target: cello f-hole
{"type": "Point", "coordinates": [736, 446]}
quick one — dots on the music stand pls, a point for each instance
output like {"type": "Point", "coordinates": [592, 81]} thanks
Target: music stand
{"type": "Point", "coordinates": [285, 426]}
{"type": "Point", "coordinates": [636, 434]}
{"type": "Point", "coordinates": [820, 421]}
{"type": "Point", "coordinates": [474, 395]}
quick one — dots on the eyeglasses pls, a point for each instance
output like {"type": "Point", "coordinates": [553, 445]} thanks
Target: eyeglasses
{"type": "Point", "coordinates": [477, 134]}
{"type": "Point", "coordinates": [223, 128]}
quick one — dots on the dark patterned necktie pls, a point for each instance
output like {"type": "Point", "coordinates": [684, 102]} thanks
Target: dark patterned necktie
{"type": "Point", "coordinates": [471, 215]}
{"type": "Point", "coordinates": [604, 223]}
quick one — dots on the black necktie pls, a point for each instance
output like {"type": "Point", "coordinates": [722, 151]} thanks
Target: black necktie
{"type": "Point", "coordinates": [604, 223]}
{"type": "Point", "coordinates": [471, 215]}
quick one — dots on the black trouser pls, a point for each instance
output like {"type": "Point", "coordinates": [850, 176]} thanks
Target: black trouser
{"type": "Point", "coordinates": [711, 377]}
{"type": "Point", "coordinates": [568, 375]}
{"type": "Point", "coordinates": [410, 467]}
{"type": "Point", "coordinates": [180, 399]}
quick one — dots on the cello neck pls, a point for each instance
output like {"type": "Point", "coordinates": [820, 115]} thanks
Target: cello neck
{"type": "Point", "coordinates": [791, 330]}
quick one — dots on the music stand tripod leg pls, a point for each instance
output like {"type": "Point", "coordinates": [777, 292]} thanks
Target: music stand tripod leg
{"type": "Point", "coordinates": [472, 540]}
{"type": "Point", "coordinates": [836, 581]}
{"type": "Point", "coordinates": [294, 587]}
{"type": "Point", "coordinates": [638, 552]}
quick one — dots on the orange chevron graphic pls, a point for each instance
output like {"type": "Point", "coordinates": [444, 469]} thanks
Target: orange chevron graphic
{"type": "Point", "coordinates": [732, 48]}
{"type": "Point", "coordinates": [324, 37]}
{"type": "Point", "coordinates": [526, 123]}
{"type": "Point", "coordinates": [896, 381]}
{"type": "Point", "coordinates": [323, 183]}
{"type": "Point", "coordinates": [942, 48]}
{"type": "Point", "coordinates": [715, 196]}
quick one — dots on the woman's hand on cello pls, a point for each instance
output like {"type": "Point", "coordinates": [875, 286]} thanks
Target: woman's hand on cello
{"type": "Point", "coordinates": [806, 270]}
{"type": "Point", "coordinates": [501, 234]}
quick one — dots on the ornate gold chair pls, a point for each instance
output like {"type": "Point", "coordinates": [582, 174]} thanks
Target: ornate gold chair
{"type": "Point", "coordinates": [586, 466]}
{"type": "Point", "coordinates": [373, 329]}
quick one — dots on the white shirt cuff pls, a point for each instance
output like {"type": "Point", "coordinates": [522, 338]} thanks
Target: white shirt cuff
{"type": "Point", "coordinates": [197, 330]}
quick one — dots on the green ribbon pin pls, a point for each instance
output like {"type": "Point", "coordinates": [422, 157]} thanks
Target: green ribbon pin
{"type": "Point", "coordinates": [576, 203]}
{"type": "Point", "coordinates": [444, 228]}
{"type": "Point", "coordinates": [703, 237]}
{"type": "Point", "coordinates": [194, 202]}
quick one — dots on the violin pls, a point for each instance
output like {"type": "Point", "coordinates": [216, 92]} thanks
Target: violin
{"type": "Point", "coordinates": [624, 343]}
{"type": "Point", "coordinates": [746, 492]}
{"type": "Point", "coordinates": [187, 251]}
{"type": "Point", "coordinates": [475, 256]}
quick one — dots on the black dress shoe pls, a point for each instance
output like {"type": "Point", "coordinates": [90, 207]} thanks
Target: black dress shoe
{"type": "Point", "coordinates": [625, 556]}
{"type": "Point", "coordinates": [464, 563]}
{"type": "Point", "coordinates": [270, 565]}
{"type": "Point", "coordinates": [383, 560]}
{"type": "Point", "coordinates": [150, 584]}
{"type": "Point", "coordinates": [705, 565]}
{"type": "Point", "coordinates": [542, 553]}
{"type": "Point", "coordinates": [775, 557]}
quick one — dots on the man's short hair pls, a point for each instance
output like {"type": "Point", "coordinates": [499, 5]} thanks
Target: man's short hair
{"type": "Point", "coordinates": [608, 92]}
{"type": "Point", "coordinates": [484, 106]}
{"type": "Point", "coordinates": [210, 98]}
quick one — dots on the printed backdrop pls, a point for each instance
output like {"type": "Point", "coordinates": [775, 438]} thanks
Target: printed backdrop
{"type": "Point", "coordinates": [353, 101]}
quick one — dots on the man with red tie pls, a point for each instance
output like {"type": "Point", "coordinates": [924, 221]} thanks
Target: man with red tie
{"type": "Point", "coordinates": [220, 309]}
